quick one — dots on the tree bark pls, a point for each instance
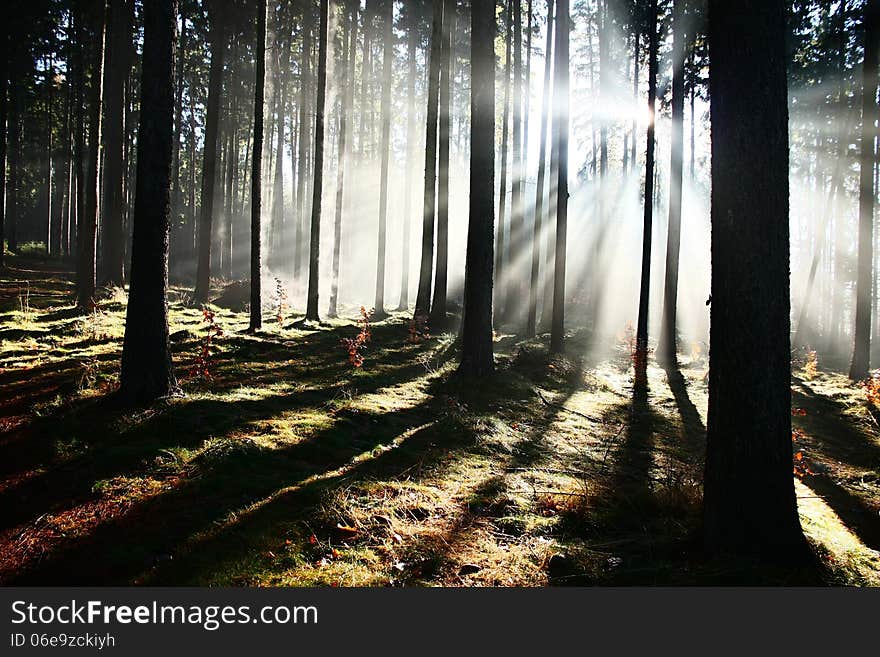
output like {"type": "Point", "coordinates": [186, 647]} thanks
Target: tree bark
{"type": "Point", "coordinates": [561, 118]}
{"type": "Point", "coordinates": [641, 354]}
{"type": "Point", "coordinates": [535, 280]}
{"type": "Point", "coordinates": [403, 305]}
{"type": "Point", "coordinates": [388, 59]}
{"type": "Point", "coordinates": [217, 13]}
{"type": "Point", "coordinates": [423, 298]}
{"type": "Point", "coordinates": [147, 373]}
{"type": "Point", "coordinates": [257, 173]}
{"type": "Point", "coordinates": [500, 239]}
{"type": "Point", "coordinates": [88, 225]}
{"type": "Point", "coordinates": [477, 360]}
{"type": "Point", "coordinates": [749, 497]}
{"type": "Point", "coordinates": [862, 339]}
{"type": "Point", "coordinates": [318, 175]}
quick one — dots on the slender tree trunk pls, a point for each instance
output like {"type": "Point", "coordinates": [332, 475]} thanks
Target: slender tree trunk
{"type": "Point", "coordinates": [305, 148]}
{"type": "Point", "coordinates": [318, 189]}
{"type": "Point", "coordinates": [347, 89]}
{"type": "Point", "coordinates": [862, 342]}
{"type": "Point", "coordinates": [410, 163]}
{"type": "Point", "coordinates": [633, 156]}
{"type": "Point", "coordinates": [500, 269]}
{"type": "Point", "coordinates": [209, 165]}
{"type": "Point", "coordinates": [88, 232]}
{"type": "Point", "coordinates": [538, 236]}
{"type": "Point", "coordinates": [50, 83]}
{"type": "Point", "coordinates": [641, 354]}
{"type": "Point", "coordinates": [114, 141]}
{"type": "Point", "coordinates": [177, 209]}
{"type": "Point", "coordinates": [561, 118]}
{"type": "Point", "coordinates": [749, 496]}
{"type": "Point", "coordinates": [257, 173]}
{"type": "Point", "coordinates": [147, 373]}
{"type": "Point", "coordinates": [668, 350]}
{"type": "Point", "coordinates": [16, 102]}
{"type": "Point", "coordinates": [4, 77]}
{"type": "Point", "coordinates": [477, 360]}
{"type": "Point", "coordinates": [515, 289]}
{"type": "Point", "coordinates": [438, 302]}
{"type": "Point", "coordinates": [283, 60]}
{"type": "Point", "coordinates": [388, 60]}
{"type": "Point", "coordinates": [423, 298]}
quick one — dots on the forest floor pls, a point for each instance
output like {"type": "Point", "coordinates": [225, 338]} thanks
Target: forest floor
{"type": "Point", "coordinates": [285, 465]}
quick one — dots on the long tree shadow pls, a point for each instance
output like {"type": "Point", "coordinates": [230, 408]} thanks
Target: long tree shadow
{"type": "Point", "coordinates": [693, 429]}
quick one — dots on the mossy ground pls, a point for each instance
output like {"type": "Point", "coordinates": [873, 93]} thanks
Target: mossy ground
{"type": "Point", "coordinates": [291, 467]}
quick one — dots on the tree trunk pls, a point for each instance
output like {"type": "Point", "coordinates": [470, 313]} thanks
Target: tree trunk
{"type": "Point", "coordinates": [147, 373]}
{"type": "Point", "coordinates": [305, 148]}
{"type": "Point", "coordinates": [749, 497]}
{"type": "Point", "coordinates": [88, 228]}
{"type": "Point", "coordinates": [411, 128]}
{"type": "Point", "coordinates": [423, 298]}
{"type": "Point", "coordinates": [561, 108]}
{"type": "Point", "coordinates": [438, 303]}
{"type": "Point", "coordinates": [515, 291]}
{"type": "Point", "coordinates": [388, 59]}
{"type": "Point", "coordinates": [862, 347]}
{"type": "Point", "coordinates": [257, 173]}
{"type": "Point", "coordinates": [4, 77]}
{"type": "Point", "coordinates": [318, 175]}
{"type": "Point", "coordinates": [641, 354]}
{"type": "Point", "coordinates": [209, 166]}
{"type": "Point", "coordinates": [500, 283]}
{"type": "Point", "coordinates": [668, 350]}
{"type": "Point", "coordinates": [347, 89]}
{"type": "Point", "coordinates": [477, 360]}
{"type": "Point", "coordinates": [121, 16]}
{"type": "Point", "coordinates": [538, 236]}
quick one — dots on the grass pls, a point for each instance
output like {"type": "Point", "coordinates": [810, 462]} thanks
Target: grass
{"type": "Point", "coordinates": [288, 466]}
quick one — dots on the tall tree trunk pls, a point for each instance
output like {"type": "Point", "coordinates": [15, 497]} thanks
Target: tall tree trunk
{"type": "Point", "coordinates": [438, 302]}
{"type": "Point", "coordinates": [347, 89]}
{"type": "Point", "coordinates": [50, 84]}
{"type": "Point", "coordinates": [423, 298]}
{"type": "Point", "coordinates": [121, 16]}
{"type": "Point", "coordinates": [862, 346]}
{"type": "Point", "coordinates": [388, 60]}
{"type": "Point", "coordinates": [318, 184]}
{"type": "Point", "coordinates": [4, 77]}
{"type": "Point", "coordinates": [209, 166]}
{"type": "Point", "coordinates": [633, 155]}
{"type": "Point", "coordinates": [305, 147]}
{"type": "Point", "coordinates": [147, 373]}
{"type": "Point", "coordinates": [257, 173]}
{"type": "Point", "coordinates": [668, 350]}
{"type": "Point", "coordinates": [561, 118]}
{"type": "Point", "coordinates": [411, 129]}
{"type": "Point", "coordinates": [749, 497]}
{"type": "Point", "coordinates": [88, 230]}
{"type": "Point", "coordinates": [500, 269]}
{"type": "Point", "coordinates": [477, 360]}
{"type": "Point", "coordinates": [16, 101]}
{"type": "Point", "coordinates": [515, 290]}
{"type": "Point", "coordinates": [641, 354]}
{"type": "Point", "coordinates": [538, 236]}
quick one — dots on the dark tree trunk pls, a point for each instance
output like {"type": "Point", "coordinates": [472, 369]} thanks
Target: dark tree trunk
{"type": "Point", "coordinates": [538, 236]}
{"type": "Point", "coordinates": [423, 298]}
{"type": "Point", "coordinates": [560, 113]}
{"type": "Point", "coordinates": [4, 77]}
{"type": "Point", "coordinates": [438, 302]}
{"type": "Point", "coordinates": [147, 373]}
{"type": "Point", "coordinates": [209, 165]}
{"type": "Point", "coordinates": [500, 239]}
{"type": "Point", "coordinates": [88, 225]}
{"type": "Point", "coordinates": [641, 354]}
{"type": "Point", "coordinates": [410, 162]}
{"type": "Point", "coordinates": [388, 60]}
{"type": "Point", "coordinates": [318, 174]}
{"type": "Point", "coordinates": [862, 345]}
{"type": "Point", "coordinates": [121, 16]}
{"type": "Point", "coordinates": [16, 102]}
{"type": "Point", "coordinates": [257, 173]}
{"type": "Point", "coordinates": [476, 337]}
{"type": "Point", "coordinates": [749, 497]}
{"type": "Point", "coordinates": [668, 350]}
{"type": "Point", "coordinates": [347, 89]}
